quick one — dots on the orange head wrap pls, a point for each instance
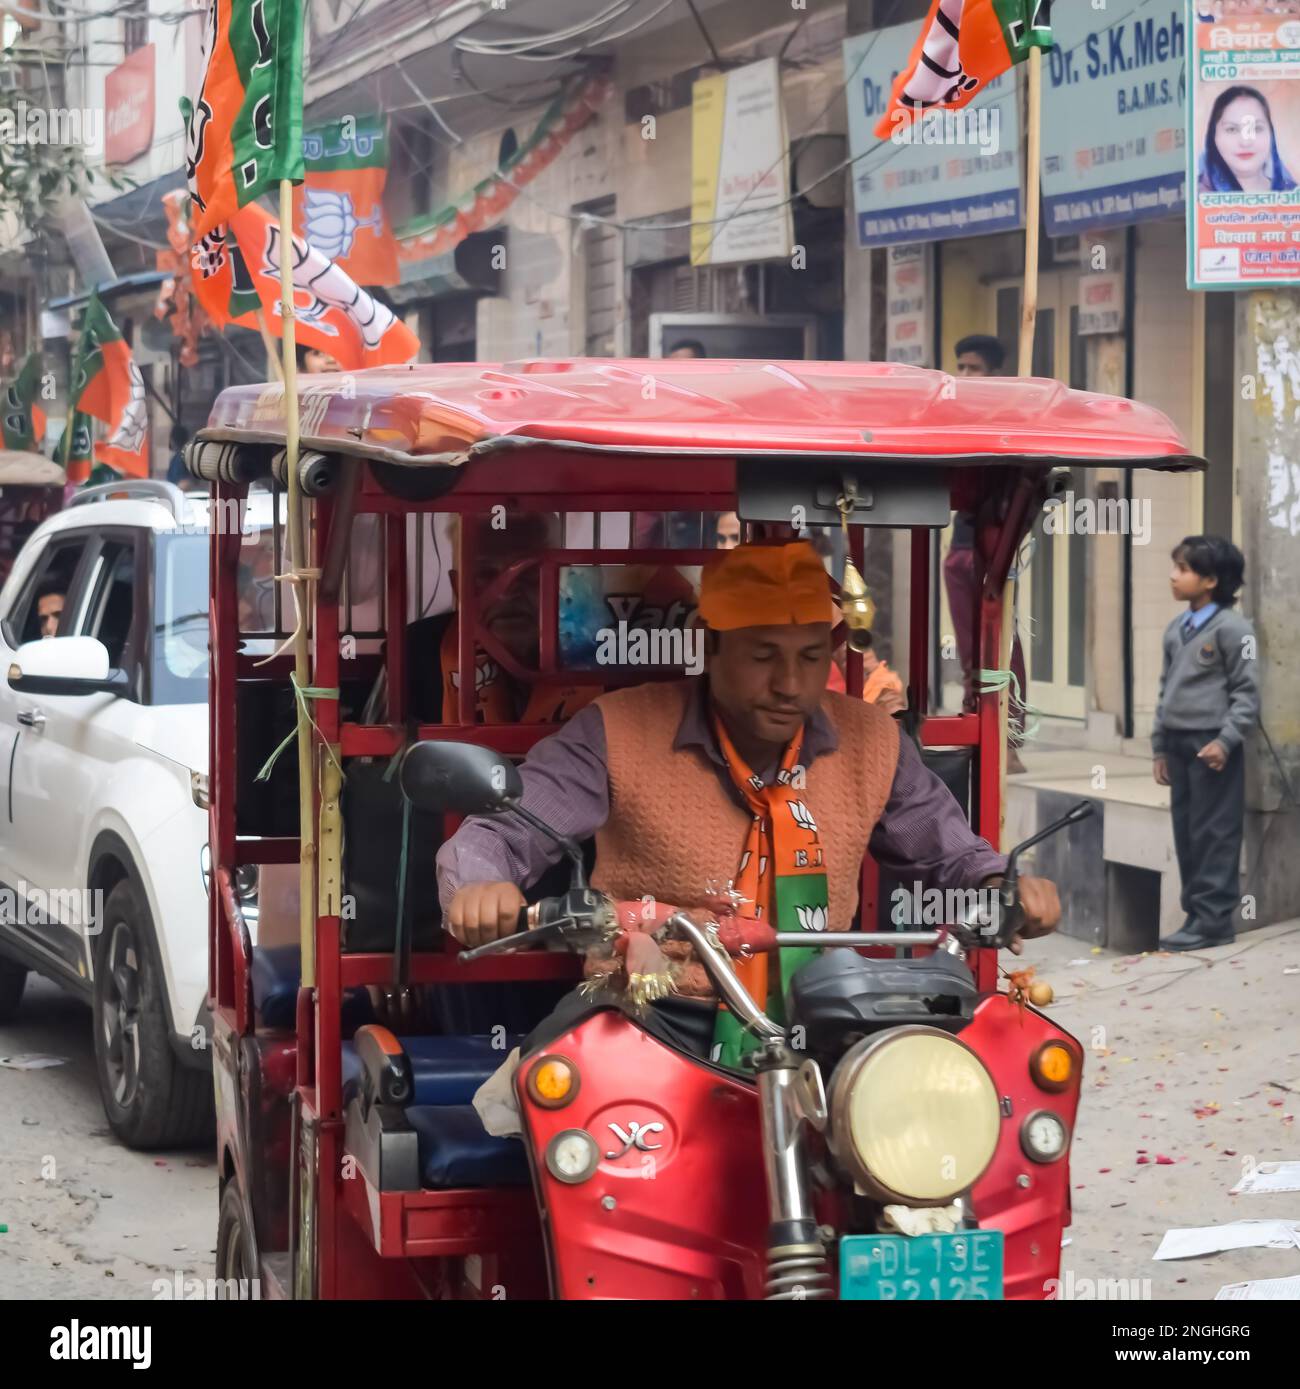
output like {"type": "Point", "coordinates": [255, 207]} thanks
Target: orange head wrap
{"type": "Point", "coordinates": [765, 586]}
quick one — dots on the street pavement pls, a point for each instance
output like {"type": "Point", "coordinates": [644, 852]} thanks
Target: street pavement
{"type": "Point", "coordinates": [1193, 1059]}
{"type": "Point", "coordinates": [86, 1217]}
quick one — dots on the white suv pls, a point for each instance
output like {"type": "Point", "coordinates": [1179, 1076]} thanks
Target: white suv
{"type": "Point", "coordinates": [103, 757]}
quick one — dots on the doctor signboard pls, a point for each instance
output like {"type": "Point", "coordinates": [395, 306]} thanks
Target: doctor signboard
{"type": "Point", "coordinates": [947, 174]}
{"type": "Point", "coordinates": [1243, 145]}
{"type": "Point", "coordinates": [1114, 114]}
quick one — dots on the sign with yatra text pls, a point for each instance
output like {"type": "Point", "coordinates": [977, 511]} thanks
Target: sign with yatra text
{"type": "Point", "coordinates": [1114, 99]}
{"type": "Point", "coordinates": [129, 107]}
{"type": "Point", "coordinates": [946, 174]}
{"type": "Point", "coordinates": [740, 167]}
{"type": "Point", "coordinates": [1243, 145]}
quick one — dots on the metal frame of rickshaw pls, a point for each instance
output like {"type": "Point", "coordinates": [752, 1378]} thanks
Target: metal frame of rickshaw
{"type": "Point", "coordinates": [449, 1223]}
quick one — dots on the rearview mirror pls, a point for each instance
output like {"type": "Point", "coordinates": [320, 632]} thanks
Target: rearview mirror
{"type": "Point", "coordinates": [463, 778]}
{"type": "Point", "coordinates": [64, 666]}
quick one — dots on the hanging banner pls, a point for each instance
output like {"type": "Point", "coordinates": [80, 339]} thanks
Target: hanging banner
{"type": "Point", "coordinates": [1243, 145]}
{"type": "Point", "coordinates": [129, 107]}
{"type": "Point", "coordinates": [909, 308]}
{"type": "Point", "coordinates": [1114, 116]}
{"type": "Point", "coordinates": [740, 167]}
{"type": "Point", "coordinates": [944, 173]}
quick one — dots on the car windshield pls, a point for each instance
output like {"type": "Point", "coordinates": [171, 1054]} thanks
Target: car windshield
{"type": "Point", "coordinates": [180, 645]}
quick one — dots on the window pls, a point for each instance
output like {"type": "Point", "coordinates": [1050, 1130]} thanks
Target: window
{"type": "Point", "coordinates": [50, 582]}
{"type": "Point", "coordinates": [180, 621]}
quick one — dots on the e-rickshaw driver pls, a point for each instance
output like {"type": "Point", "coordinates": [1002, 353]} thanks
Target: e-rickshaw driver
{"type": "Point", "coordinates": [758, 757]}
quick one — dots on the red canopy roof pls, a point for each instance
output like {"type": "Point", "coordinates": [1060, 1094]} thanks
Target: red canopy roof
{"type": "Point", "coordinates": [447, 412]}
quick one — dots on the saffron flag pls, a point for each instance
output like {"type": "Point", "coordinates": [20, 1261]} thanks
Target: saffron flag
{"type": "Point", "coordinates": [333, 312]}
{"type": "Point", "coordinates": [24, 420]}
{"type": "Point", "coordinates": [964, 45]}
{"type": "Point", "coordinates": [244, 134]}
{"type": "Point", "coordinates": [76, 453]}
{"type": "Point", "coordinates": [340, 208]}
{"type": "Point", "coordinates": [106, 384]}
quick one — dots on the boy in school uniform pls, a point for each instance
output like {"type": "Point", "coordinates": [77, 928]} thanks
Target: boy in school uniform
{"type": "Point", "coordinates": [1209, 703]}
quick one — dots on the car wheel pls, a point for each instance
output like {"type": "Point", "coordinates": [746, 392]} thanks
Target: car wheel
{"type": "Point", "coordinates": [151, 1100]}
{"type": "Point", "coordinates": [13, 978]}
{"type": "Point", "coordinates": [235, 1256]}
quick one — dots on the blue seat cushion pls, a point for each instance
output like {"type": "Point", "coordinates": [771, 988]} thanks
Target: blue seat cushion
{"type": "Point", "coordinates": [457, 1151]}
{"type": "Point", "coordinates": [276, 972]}
{"type": "Point", "coordinates": [446, 1070]}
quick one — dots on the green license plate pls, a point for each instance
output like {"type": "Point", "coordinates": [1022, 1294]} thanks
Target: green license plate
{"type": "Point", "coordinates": [966, 1264]}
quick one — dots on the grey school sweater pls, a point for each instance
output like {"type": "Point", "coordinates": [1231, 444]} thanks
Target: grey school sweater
{"type": "Point", "coordinates": [1209, 681]}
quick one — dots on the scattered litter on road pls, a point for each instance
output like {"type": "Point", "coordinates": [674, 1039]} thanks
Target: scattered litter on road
{"type": "Point", "coordinates": [1072, 964]}
{"type": "Point", "coordinates": [1269, 1177]}
{"type": "Point", "coordinates": [1237, 1234]}
{"type": "Point", "coordinates": [31, 1061]}
{"type": "Point", "coordinates": [1260, 1290]}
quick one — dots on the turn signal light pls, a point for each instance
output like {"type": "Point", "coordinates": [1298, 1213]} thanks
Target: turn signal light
{"type": "Point", "coordinates": [553, 1082]}
{"type": "Point", "coordinates": [1052, 1066]}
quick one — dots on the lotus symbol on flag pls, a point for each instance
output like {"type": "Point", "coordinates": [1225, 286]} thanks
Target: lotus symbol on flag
{"type": "Point", "coordinates": [332, 224]}
{"type": "Point", "coordinates": [802, 816]}
{"type": "Point", "coordinates": [811, 918]}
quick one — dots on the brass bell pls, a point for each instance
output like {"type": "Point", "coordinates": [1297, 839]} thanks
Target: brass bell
{"type": "Point", "coordinates": [857, 607]}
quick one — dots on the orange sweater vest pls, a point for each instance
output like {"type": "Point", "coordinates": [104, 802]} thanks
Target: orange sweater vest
{"type": "Point", "coordinates": [673, 828]}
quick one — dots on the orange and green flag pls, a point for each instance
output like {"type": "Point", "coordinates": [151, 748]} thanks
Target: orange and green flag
{"type": "Point", "coordinates": [963, 46]}
{"type": "Point", "coordinates": [333, 312]}
{"type": "Point", "coordinates": [24, 420]}
{"type": "Point", "coordinates": [76, 449]}
{"type": "Point", "coordinates": [106, 384]}
{"type": "Point", "coordinates": [244, 135]}
{"type": "Point", "coordinates": [339, 209]}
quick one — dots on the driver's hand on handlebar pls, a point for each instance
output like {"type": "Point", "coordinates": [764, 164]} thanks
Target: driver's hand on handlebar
{"type": "Point", "coordinates": [483, 912]}
{"type": "Point", "coordinates": [1041, 909]}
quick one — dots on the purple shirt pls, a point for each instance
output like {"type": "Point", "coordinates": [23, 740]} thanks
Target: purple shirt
{"type": "Point", "coordinates": [922, 833]}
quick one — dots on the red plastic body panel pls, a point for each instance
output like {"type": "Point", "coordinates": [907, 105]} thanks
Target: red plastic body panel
{"type": "Point", "coordinates": [1031, 1216]}
{"type": "Point", "coordinates": [689, 1218]}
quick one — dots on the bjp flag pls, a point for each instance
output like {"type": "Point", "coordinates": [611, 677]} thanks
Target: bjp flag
{"type": "Point", "coordinates": [106, 384]}
{"type": "Point", "coordinates": [332, 311]}
{"type": "Point", "coordinates": [340, 208]}
{"type": "Point", "coordinates": [76, 448]}
{"type": "Point", "coordinates": [244, 133]}
{"type": "Point", "coordinates": [963, 46]}
{"type": "Point", "coordinates": [24, 420]}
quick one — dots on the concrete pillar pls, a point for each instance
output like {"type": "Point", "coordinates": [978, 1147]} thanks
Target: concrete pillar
{"type": "Point", "coordinates": [1268, 452]}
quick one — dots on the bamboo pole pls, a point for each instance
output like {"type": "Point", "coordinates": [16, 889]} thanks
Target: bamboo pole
{"type": "Point", "coordinates": [272, 352]}
{"type": "Point", "coordinates": [1028, 320]}
{"type": "Point", "coordinates": [297, 566]}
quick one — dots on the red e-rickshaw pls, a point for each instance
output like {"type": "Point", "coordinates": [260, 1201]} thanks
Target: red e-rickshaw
{"type": "Point", "coordinates": [352, 1161]}
{"type": "Point", "coordinates": [31, 488]}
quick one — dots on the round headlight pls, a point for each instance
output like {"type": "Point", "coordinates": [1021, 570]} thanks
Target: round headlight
{"type": "Point", "coordinates": [1044, 1136]}
{"type": "Point", "coordinates": [571, 1156]}
{"type": "Point", "coordinates": [914, 1116]}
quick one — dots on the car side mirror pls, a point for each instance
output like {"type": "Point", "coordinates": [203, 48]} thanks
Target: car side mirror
{"type": "Point", "coordinates": [65, 666]}
{"type": "Point", "coordinates": [464, 778]}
